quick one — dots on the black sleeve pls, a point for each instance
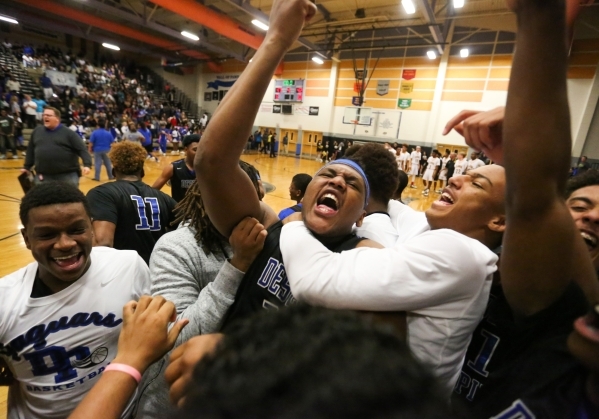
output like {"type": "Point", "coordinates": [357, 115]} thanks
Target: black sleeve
{"type": "Point", "coordinates": [102, 204]}
{"type": "Point", "coordinates": [79, 146]}
{"type": "Point", "coordinates": [30, 156]}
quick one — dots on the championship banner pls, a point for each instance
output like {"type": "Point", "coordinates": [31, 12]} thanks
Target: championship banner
{"type": "Point", "coordinates": [408, 74]}
{"type": "Point", "coordinates": [404, 103]}
{"type": "Point", "coordinates": [382, 87]}
{"type": "Point", "coordinates": [407, 87]}
{"type": "Point", "coordinates": [60, 78]}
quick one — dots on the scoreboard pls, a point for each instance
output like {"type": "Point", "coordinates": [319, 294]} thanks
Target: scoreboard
{"type": "Point", "coordinates": [289, 91]}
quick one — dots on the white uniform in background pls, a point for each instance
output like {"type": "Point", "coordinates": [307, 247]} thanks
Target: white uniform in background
{"type": "Point", "coordinates": [460, 167]}
{"type": "Point", "coordinates": [443, 172]}
{"type": "Point", "coordinates": [415, 158]}
{"type": "Point", "coordinates": [475, 164]}
{"type": "Point", "coordinates": [433, 163]}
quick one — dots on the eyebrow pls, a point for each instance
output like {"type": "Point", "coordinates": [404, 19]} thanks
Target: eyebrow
{"type": "Point", "coordinates": [581, 198]}
{"type": "Point", "coordinates": [478, 176]}
{"type": "Point", "coordinates": [347, 176]}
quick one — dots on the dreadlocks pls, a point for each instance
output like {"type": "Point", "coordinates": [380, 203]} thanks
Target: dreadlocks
{"type": "Point", "coordinates": [191, 210]}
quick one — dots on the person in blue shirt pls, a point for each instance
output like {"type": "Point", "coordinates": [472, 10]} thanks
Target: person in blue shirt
{"type": "Point", "coordinates": [99, 144]}
{"type": "Point", "coordinates": [165, 135]}
{"type": "Point", "coordinates": [297, 189]}
{"type": "Point", "coordinates": [40, 107]}
{"type": "Point", "coordinates": [47, 86]}
{"type": "Point", "coordinates": [147, 143]}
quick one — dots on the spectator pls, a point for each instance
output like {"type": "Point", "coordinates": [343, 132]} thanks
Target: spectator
{"type": "Point", "coordinates": [12, 85]}
{"type": "Point", "coordinates": [582, 166]}
{"type": "Point", "coordinates": [7, 135]}
{"type": "Point", "coordinates": [30, 111]}
{"type": "Point", "coordinates": [47, 86]}
{"type": "Point", "coordinates": [99, 144]}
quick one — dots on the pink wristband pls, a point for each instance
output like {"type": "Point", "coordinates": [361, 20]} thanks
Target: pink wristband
{"type": "Point", "coordinates": [126, 369]}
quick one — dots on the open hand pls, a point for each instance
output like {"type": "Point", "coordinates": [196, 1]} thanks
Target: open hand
{"type": "Point", "coordinates": [86, 171]}
{"type": "Point", "coordinates": [183, 360]}
{"type": "Point", "coordinates": [483, 131]}
{"type": "Point", "coordinates": [145, 337]}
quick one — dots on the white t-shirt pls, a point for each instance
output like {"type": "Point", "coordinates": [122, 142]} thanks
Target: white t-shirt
{"type": "Point", "coordinates": [407, 222]}
{"type": "Point", "coordinates": [378, 227]}
{"type": "Point", "coordinates": [440, 277]}
{"type": "Point", "coordinates": [460, 167]}
{"type": "Point", "coordinates": [475, 164]}
{"type": "Point", "coordinates": [57, 346]}
{"type": "Point", "coordinates": [415, 156]}
{"type": "Point", "coordinates": [433, 162]}
{"type": "Point", "coordinates": [30, 107]}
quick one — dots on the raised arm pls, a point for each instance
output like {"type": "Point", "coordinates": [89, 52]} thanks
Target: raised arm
{"type": "Point", "coordinates": [164, 177]}
{"type": "Point", "coordinates": [543, 252]}
{"type": "Point", "coordinates": [226, 190]}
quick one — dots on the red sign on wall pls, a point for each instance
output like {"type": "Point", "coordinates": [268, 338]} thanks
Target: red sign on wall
{"type": "Point", "coordinates": [408, 74]}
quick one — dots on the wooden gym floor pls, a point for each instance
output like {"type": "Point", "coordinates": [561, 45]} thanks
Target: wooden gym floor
{"type": "Point", "coordinates": [276, 171]}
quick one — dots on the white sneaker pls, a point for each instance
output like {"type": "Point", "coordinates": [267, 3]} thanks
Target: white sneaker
{"type": "Point", "coordinates": [3, 157]}
{"type": "Point", "coordinates": [425, 192]}
{"type": "Point", "coordinates": [162, 153]}
{"type": "Point", "coordinates": [15, 157]}
{"type": "Point", "coordinates": [181, 153]}
{"type": "Point", "coordinates": [413, 187]}
{"type": "Point", "coordinates": [148, 157]}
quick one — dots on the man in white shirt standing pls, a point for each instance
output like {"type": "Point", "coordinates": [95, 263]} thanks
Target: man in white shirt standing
{"type": "Point", "coordinates": [444, 299]}
{"type": "Point", "coordinates": [474, 162]}
{"type": "Point", "coordinates": [30, 110]}
{"type": "Point", "coordinates": [442, 173]}
{"type": "Point", "coordinates": [461, 164]}
{"type": "Point", "coordinates": [432, 168]}
{"type": "Point", "coordinates": [62, 314]}
{"type": "Point", "coordinates": [415, 165]}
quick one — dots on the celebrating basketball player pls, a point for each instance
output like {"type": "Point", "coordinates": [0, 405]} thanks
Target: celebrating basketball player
{"type": "Point", "coordinates": [61, 315]}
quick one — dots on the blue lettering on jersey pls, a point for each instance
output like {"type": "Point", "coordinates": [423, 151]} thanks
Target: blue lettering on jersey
{"type": "Point", "coordinates": [144, 223]}
{"type": "Point", "coordinates": [37, 335]}
{"type": "Point", "coordinates": [63, 387]}
{"type": "Point", "coordinates": [274, 279]}
{"type": "Point", "coordinates": [518, 410]}
{"type": "Point", "coordinates": [60, 362]}
{"type": "Point", "coordinates": [485, 354]}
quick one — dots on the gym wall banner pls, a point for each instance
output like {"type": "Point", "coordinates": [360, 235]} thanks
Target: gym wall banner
{"type": "Point", "coordinates": [60, 78]}
{"type": "Point", "coordinates": [382, 87]}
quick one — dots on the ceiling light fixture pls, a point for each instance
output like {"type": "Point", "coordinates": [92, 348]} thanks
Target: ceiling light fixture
{"type": "Point", "coordinates": [431, 54]}
{"type": "Point", "coordinates": [458, 4]}
{"type": "Point", "coordinates": [317, 60]}
{"type": "Point", "coordinates": [259, 24]}
{"type": "Point", "coordinates": [464, 53]}
{"type": "Point", "coordinates": [408, 6]}
{"type": "Point", "coordinates": [190, 35]}
{"type": "Point", "coordinates": [9, 19]}
{"type": "Point", "coordinates": [110, 46]}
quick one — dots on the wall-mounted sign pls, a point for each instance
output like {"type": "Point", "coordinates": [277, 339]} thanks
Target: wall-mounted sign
{"type": "Point", "coordinates": [382, 87]}
{"type": "Point", "coordinates": [276, 109]}
{"type": "Point", "coordinates": [207, 97]}
{"type": "Point", "coordinates": [408, 74]}
{"type": "Point", "coordinates": [215, 95]}
{"type": "Point", "coordinates": [404, 103]}
{"type": "Point", "coordinates": [357, 101]}
{"type": "Point", "coordinates": [314, 110]}
{"type": "Point", "coordinates": [407, 87]}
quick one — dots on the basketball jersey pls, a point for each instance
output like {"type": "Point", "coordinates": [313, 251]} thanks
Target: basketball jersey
{"type": "Point", "coordinates": [460, 167]}
{"type": "Point", "coordinates": [444, 161]}
{"type": "Point", "coordinates": [433, 162]}
{"type": "Point", "coordinates": [58, 346]}
{"type": "Point", "coordinates": [415, 156]}
{"type": "Point", "coordinates": [521, 367]}
{"type": "Point", "coordinates": [182, 179]}
{"type": "Point", "coordinates": [140, 213]}
{"type": "Point", "coordinates": [175, 134]}
{"type": "Point", "coordinates": [265, 284]}
{"type": "Point", "coordinates": [164, 134]}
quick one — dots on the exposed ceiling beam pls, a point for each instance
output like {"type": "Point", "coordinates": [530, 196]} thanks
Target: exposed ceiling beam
{"type": "Point", "coordinates": [429, 15]}
{"type": "Point", "coordinates": [115, 11]}
{"type": "Point", "coordinates": [109, 26]}
{"type": "Point", "coordinates": [260, 15]}
{"type": "Point", "coordinates": [63, 27]}
{"type": "Point", "coordinates": [325, 12]}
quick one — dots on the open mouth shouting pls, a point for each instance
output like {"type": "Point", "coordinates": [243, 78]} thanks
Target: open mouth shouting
{"type": "Point", "coordinates": [328, 204]}
{"type": "Point", "coordinates": [590, 239]}
{"type": "Point", "coordinates": [69, 262]}
{"type": "Point", "coordinates": [446, 199]}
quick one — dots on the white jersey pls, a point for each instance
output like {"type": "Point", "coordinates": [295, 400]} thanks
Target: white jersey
{"type": "Point", "coordinates": [432, 164]}
{"type": "Point", "coordinates": [443, 171]}
{"type": "Point", "coordinates": [460, 167]}
{"type": "Point", "coordinates": [404, 156]}
{"type": "Point", "coordinates": [475, 164]}
{"type": "Point", "coordinates": [415, 157]}
{"type": "Point", "coordinates": [57, 346]}
{"type": "Point", "coordinates": [175, 135]}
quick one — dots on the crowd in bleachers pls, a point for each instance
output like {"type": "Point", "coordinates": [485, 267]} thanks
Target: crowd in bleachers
{"type": "Point", "coordinates": [115, 92]}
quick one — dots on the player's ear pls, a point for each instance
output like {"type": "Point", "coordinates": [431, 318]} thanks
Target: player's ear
{"type": "Point", "coordinates": [361, 219]}
{"type": "Point", "coordinates": [25, 237]}
{"type": "Point", "coordinates": [497, 224]}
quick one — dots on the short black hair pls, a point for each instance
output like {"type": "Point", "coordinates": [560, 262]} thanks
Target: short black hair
{"type": "Point", "coordinates": [588, 178]}
{"type": "Point", "coordinates": [190, 139]}
{"type": "Point", "coordinates": [380, 168]}
{"type": "Point", "coordinates": [301, 181]}
{"type": "Point", "coordinates": [403, 182]}
{"type": "Point", "coordinates": [51, 193]}
{"type": "Point", "coordinates": [306, 362]}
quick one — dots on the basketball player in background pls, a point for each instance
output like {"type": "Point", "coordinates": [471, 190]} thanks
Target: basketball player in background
{"type": "Point", "coordinates": [546, 271]}
{"type": "Point", "coordinates": [461, 164]}
{"type": "Point", "coordinates": [61, 315]}
{"type": "Point", "coordinates": [415, 157]}
{"type": "Point", "coordinates": [474, 162]}
{"type": "Point", "coordinates": [432, 169]}
{"type": "Point", "coordinates": [297, 190]}
{"type": "Point", "coordinates": [129, 214]}
{"type": "Point", "coordinates": [442, 175]}
{"type": "Point", "coordinates": [404, 158]}
{"type": "Point", "coordinates": [180, 173]}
